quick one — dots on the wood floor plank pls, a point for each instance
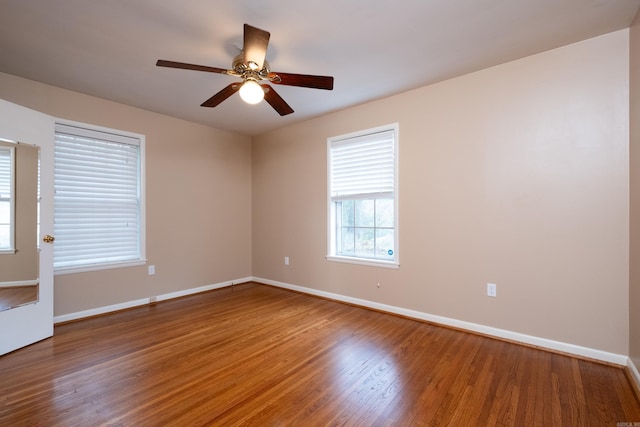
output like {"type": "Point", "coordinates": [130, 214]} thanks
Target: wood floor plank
{"type": "Point", "coordinates": [257, 355]}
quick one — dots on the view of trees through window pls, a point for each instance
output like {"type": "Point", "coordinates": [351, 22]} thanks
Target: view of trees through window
{"type": "Point", "coordinates": [366, 228]}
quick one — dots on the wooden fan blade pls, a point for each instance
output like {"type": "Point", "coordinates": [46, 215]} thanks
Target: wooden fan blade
{"type": "Point", "coordinates": [222, 95]}
{"type": "Point", "coordinates": [276, 101]}
{"type": "Point", "coordinates": [303, 80]}
{"type": "Point", "coordinates": [255, 46]}
{"type": "Point", "coordinates": [184, 66]}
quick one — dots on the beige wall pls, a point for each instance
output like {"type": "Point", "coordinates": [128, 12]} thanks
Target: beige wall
{"type": "Point", "coordinates": [198, 184]}
{"type": "Point", "coordinates": [516, 175]}
{"type": "Point", "coordinates": [634, 150]}
{"type": "Point", "coordinates": [23, 265]}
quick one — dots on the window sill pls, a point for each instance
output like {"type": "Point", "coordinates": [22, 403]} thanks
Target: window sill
{"type": "Point", "coordinates": [364, 261]}
{"type": "Point", "coordinates": [97, 267]}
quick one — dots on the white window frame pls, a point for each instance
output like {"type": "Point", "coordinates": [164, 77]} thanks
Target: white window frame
{"type": "Point", "coordinates": [11, 249]}
{"type": "Point", "coordinates": [123, 135]}
{"type": "Point", "coordinates": [331, 210]}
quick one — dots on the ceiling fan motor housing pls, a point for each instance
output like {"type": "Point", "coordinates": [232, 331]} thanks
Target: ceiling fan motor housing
{"type": "Point", "coordinates": [245, 70]}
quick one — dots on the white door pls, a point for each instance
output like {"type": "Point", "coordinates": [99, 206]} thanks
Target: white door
{"type": "Point", "coordinates": [33, 321]}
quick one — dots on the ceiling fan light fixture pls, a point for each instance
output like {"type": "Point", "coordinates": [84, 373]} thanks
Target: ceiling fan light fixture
{"type": "Point", "coordinates": [251, 92]}
{"type": "Point", "coordinates": [251, 66]}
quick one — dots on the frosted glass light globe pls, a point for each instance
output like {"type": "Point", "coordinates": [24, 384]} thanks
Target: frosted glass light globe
{"type": "Point", "coordinates": [251, 92]}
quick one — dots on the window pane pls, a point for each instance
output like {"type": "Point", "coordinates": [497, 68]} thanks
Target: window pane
{"type": "Point", "coordinates": [384, 213]}
{"type": "Point", "coordinates": [4, 212]}
{"type": "Point", "coordinates": [365, 213]}
{"type": "Point", "coordinates": [4, 235]}
{"type": "Point", "coordinates": [347, 213]}
{"type": "Point", "coordinates": [346, 244]}
{"type": "Point", "coordinates": [384, 243]}
{"type": "Point", "coordinates": [365, 242]}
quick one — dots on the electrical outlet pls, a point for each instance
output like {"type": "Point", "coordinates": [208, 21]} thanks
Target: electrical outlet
{"type": "Point", "coordinates": [152, 270]}
{"type": "Point", "coordinates": [491, 290]}
{"type": "Point", "coordinates": [286, 260]}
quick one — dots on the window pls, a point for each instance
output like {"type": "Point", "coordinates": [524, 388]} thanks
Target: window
{"type": "Point", "coordinates": [6, 199]}
{"type": "Point", "coordinates": [363, 225]}
{"type": "Point", "coordinates": [98, 199]}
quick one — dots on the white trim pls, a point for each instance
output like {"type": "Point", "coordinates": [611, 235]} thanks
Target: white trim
{"type": "Point", "coordinates": [587, 352]}
{"type": "Point", "coordinates": [100, 310]}
{"type": "Point", "coordinates": [363, 261]}
{"type": "Point", "coordinates": [144, 301]}
{"type": "Point", "coordinates": [634, 372]}
{"type": "Point", "coordinates": [19, 283]}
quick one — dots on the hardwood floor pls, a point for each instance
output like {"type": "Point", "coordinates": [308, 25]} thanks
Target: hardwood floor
{"type": "Point", "coordinates": [257, 355]}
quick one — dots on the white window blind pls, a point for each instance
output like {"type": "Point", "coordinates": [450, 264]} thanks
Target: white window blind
{"type": "Point", "coordinates": [6, 191]}
{"type": "Point", "coordinates": [5, 173]}
{"type": "Point", "coordinates": [97, 208]}
{"type": "Point", "coordinates": [363, 166]}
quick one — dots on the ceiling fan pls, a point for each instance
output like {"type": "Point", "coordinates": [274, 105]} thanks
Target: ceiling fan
{"type": "Point", "coordinates": [252, 67]}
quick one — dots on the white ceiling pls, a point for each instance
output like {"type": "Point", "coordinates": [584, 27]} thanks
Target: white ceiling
{"type": "Point", "coordinates": [373, 48]}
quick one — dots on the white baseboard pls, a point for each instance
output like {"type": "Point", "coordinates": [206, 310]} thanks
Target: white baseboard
{"type": "Point", "coordinates": [144, 301]}
{"type": "Point", "coordinates": [590, 353]}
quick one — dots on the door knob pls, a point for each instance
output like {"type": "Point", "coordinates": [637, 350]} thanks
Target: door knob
{"type": "Point", "coordinates": [48, 239]}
